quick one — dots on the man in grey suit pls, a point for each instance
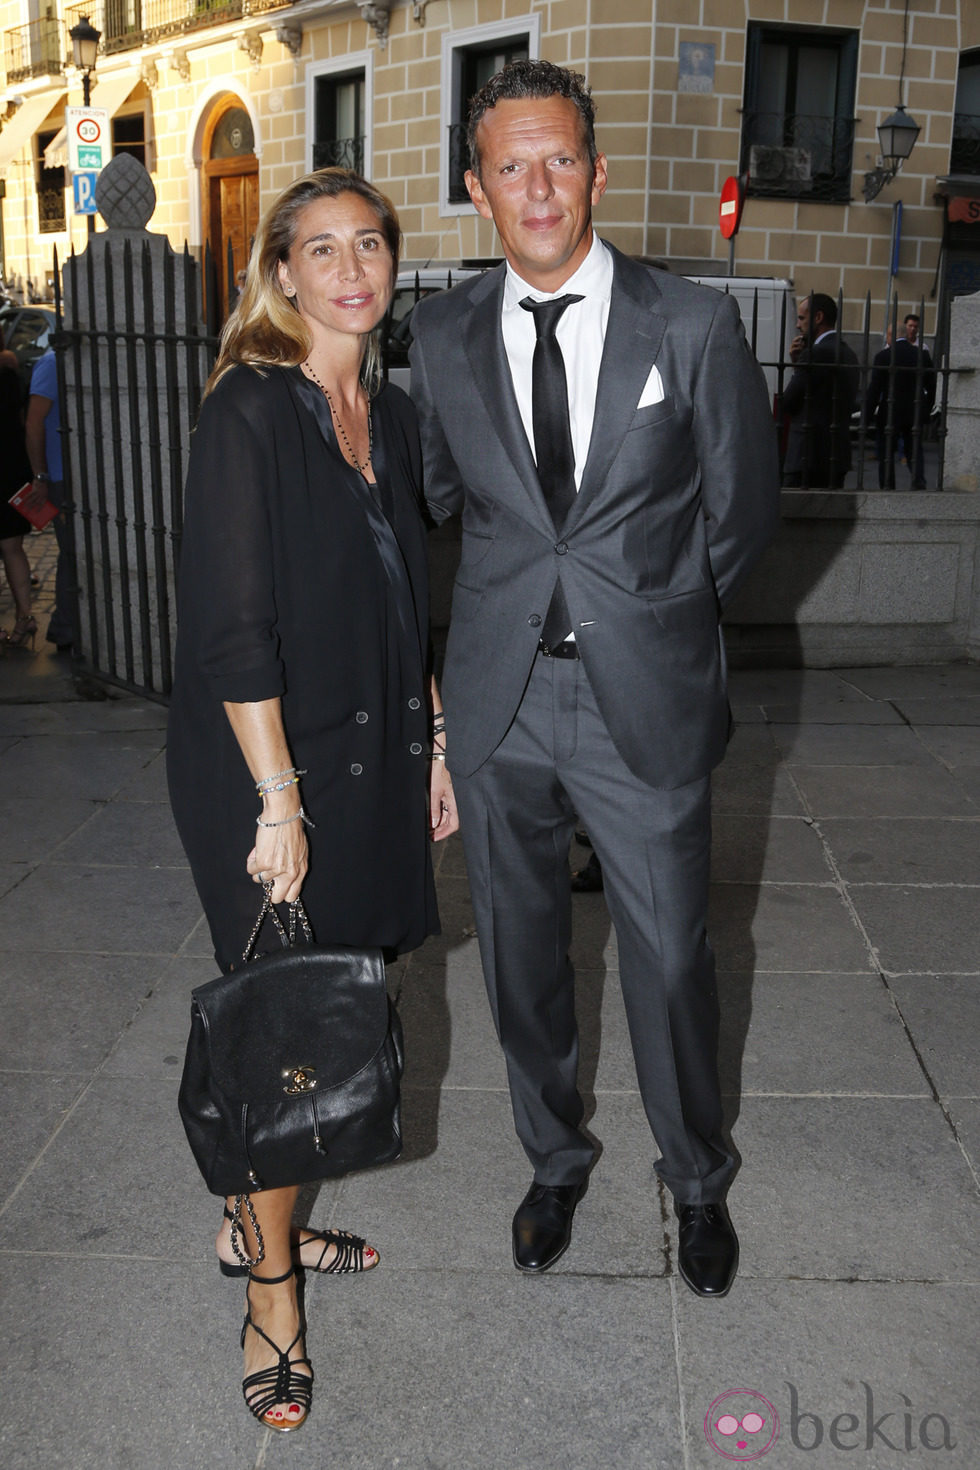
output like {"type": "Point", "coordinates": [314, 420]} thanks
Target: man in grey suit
{"type": "Point", "coordinates": [605, 433]}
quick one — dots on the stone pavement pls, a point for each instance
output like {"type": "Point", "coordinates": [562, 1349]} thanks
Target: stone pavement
{"type": "Point", "coordinates": [846, 921]}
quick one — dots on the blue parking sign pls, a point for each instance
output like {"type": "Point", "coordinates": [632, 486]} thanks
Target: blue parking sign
{"type": "Point", "coordinates": [84, 186]}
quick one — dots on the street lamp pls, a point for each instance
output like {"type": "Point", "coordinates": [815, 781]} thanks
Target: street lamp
{"type": "Point", "coordinates": [85, 45]}
{"type": "Point", "coordinates": [896, 137]}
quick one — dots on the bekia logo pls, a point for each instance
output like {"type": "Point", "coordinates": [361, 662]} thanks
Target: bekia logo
{"type": "Point", "coordinates": [742, 1426]}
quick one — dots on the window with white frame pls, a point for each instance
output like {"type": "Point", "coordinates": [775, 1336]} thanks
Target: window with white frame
{"type": "Point", "coordinates": [339, 110]}
{"type": "Point", "coordinates": [470, 58]}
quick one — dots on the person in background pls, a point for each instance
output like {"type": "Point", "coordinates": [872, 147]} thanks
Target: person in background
{"type": "Point", "coordinates": [900, 398]}
{"type": "Point", "coordinates": [15, 471]}
{"type": "Point", "coordinates": [819, 399]}
{"type": "Point", "coordinates": [43, 438]}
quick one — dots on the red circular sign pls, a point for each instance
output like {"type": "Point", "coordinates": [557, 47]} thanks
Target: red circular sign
{"type": "Point", "coordinates": [730, 207]}
{"type": "Point", "coordinates": [88, 130]}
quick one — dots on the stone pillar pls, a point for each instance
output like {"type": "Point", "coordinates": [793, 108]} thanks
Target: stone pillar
{"type": "Point", "coordinates": [136, 360]}
{"type": "Point", "coordinates": [962, 464]}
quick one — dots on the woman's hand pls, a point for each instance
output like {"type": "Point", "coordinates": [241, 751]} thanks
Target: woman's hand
{"type": "Point", "coordinates": [280, 855]}
{"type": "Point", "coordinates": [443, 816]}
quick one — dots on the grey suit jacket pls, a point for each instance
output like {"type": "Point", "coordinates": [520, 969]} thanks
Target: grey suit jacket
{"type": "Point", "coordinates": [676, 501]}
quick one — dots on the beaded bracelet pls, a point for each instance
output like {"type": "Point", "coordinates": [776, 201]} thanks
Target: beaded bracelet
{"type": "Point", "coordinates": [299, 816]}
{"type": "Point", "coordinates": [279, 786]}
{"type": "Point", "coordinates": [265, 785]}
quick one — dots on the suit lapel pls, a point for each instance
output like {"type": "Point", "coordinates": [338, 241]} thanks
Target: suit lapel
{"type": "Point", "coordinates": [484, 343]}
{"type": "Point", "coordinates": [634, 335]}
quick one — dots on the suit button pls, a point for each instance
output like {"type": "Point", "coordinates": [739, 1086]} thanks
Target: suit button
{"type": "Point", "coordinates": [415, 748]}
{"type": "Point", "coordinates": [356, 769]}
{"type": "Point", "coordinates": [561, 548]}
{"type": "Point", "coordinates": [534, 620]}
{"type": "Point", "coordinates": [414, 703]}
{"type": "Point", "coordinates": [361, 717]}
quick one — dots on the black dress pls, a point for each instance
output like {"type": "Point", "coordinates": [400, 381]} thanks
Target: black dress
{"type": "Point", "coordinates": [297, 580]}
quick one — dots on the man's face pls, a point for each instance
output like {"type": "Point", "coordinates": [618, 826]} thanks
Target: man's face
{"type": "Point", "coordinates": [537, 185]}
{"type": "Point", "coordinates": [803, 317]}
{"type": "Point", "coordinates": [912, 329]}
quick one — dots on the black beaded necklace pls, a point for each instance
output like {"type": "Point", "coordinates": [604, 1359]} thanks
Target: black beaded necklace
{"type": "Point", "coordinates": [362, 468]}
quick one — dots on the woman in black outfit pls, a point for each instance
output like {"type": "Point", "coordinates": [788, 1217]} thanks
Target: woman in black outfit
{"type": "Point", "coordinates": [302, 695]}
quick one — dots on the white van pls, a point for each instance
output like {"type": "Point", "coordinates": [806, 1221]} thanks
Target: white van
{"type": "Point", "coordinates": [768, 309]}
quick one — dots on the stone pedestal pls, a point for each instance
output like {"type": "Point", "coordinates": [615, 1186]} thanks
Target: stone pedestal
{"type": "Point", "coordinates": [962, 469]}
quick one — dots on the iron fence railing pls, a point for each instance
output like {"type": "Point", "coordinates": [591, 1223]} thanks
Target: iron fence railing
{"type": "Point", "coordinates": [797, 155]}
{"type": "Point", "coordinates": [128, 24]}
{"type": "Point", "coordinates": [340, 153]}
{"type": "Point", "coordinates": [459, 162]}
{"type": "Point", "coordinates": [37, 49]}
{"type": "Point", "coordinates": [134, 351]}
{"type": "Point", "coordinates": [965, 153]}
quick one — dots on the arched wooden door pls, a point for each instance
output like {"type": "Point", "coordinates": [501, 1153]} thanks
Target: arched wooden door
{"type": "Point", "coordinates": [231, 190]}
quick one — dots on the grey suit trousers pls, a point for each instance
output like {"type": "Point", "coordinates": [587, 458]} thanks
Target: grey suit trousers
{"type": "Point", "coordinates": [517, 814]}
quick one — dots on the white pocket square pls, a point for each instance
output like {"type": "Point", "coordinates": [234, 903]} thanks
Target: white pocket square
{"type": "Point", "coordinates": [653, 390]}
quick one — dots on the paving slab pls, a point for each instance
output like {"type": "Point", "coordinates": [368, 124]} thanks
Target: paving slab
{"type": "Point", "coordinates": [100, 910]}
{"type": "Point", "coordinates": [850, 745]}
{"type": "Point", "coordinates": [925, 681]}
{"type": "Point", "coordinates": [905, 849]}
{"type": "Point", "coordinates": [452, 1198]}
{"type": "Point", "coordinates": [784, 927]}
{"type": "Point", "coordinates": [829, 1035]}
{"type": "Point", "coordinates": [884, 791]}
{"type": "Point", "coordinates": [955, 745]}
{"type": "Point", "coordinates": [34, 826]}
{"type": "Point", "coordinates": [965, 1113]}
{"type": "Point", "coordinates": [126, 833]}
{"type": "Point", "coordinates": [89, 765]}
{"type": "Point", "coordinates": [64, 1011]}
{"type": "Point", "coordinates": [964, 710]}
{"type": "Point", "coordinates": [918, 929]}
{"type": "Point", "coordinates": [748, 848]}
{"type": "Point", "coordinates": [756, 789]}
{"type": "Point", "coordinates": [853, 1189]}
{"type": "Point", "coordinates": [942, 1013]}
{"type": "Point", "coordinates": [32, 1105]}
{"type": "Point", "coordinates": [472, 1371]}
{"type": "Point", "coordinates": [126, 1383]}
{"type": "Point", "coordinates": [807, 1350]}
{"type": "Point", "coordinates": [155, 1037]}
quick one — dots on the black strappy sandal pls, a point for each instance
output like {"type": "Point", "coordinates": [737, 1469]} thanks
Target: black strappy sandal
{"type": "Point", "coordinates": [348, 1260]}
{"type": "Point", "coordinates": [270, 1387]}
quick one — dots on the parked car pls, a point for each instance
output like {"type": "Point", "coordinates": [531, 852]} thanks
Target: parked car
{"type": "Point", "coordinates": [410, 288]}
{"type": "Point", "coordinates": [27, 332]}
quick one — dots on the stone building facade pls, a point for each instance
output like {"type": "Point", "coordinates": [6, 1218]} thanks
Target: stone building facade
{"type": "Point", "coordinates": [228, 100]}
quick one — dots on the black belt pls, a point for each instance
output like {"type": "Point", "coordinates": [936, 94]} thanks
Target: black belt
{"type": "Point", "coordinates": [567, 649]}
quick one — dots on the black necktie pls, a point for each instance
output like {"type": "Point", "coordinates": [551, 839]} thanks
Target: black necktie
{"type": "Point", "coordinates": [552, 438]}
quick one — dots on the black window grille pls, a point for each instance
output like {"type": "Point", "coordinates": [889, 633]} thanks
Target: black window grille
{"type": "Point", "coordinates": [339, 125]}
{"type": "Point", "coordinates": [472, 66]}
{"type": "Point", "coordinates": [797, 120]}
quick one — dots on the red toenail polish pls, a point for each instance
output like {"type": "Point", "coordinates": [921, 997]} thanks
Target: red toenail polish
{"type": "Point", "coordinates": [294, 1408]}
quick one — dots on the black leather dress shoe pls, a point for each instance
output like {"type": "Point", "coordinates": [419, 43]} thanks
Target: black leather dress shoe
{"type": "Point", "coordinates": [543, 1224]}
{"type": "Point", "coordinates": [589, 878]}
{"type": "Point", "coordinates": [707, 1252]}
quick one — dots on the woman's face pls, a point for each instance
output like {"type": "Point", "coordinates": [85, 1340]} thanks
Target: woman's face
{"type": "Point", "coordinates": [340, 271]}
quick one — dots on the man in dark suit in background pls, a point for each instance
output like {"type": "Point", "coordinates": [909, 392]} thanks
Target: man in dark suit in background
{"type": "Point", "coordinates": [605, 433]}
{"type": "Point", "coordinates": [900, 398]}
{"type": "Point", "coordinates": [820, 398]}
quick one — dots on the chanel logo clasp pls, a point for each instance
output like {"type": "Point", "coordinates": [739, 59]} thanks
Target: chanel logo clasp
{"type": "Point", "coordinates": [299, 1080]}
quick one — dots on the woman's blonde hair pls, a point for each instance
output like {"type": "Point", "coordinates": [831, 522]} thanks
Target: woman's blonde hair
{"type": "Point", "coordinates": [265, 329]}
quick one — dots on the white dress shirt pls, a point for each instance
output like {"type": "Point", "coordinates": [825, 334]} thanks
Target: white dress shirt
{"type": "Point", "coordinates": [580, 334]}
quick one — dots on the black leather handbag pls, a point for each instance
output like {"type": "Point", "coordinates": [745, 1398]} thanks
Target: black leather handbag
{"type": "Point", "coordinates": [293, 1066]}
